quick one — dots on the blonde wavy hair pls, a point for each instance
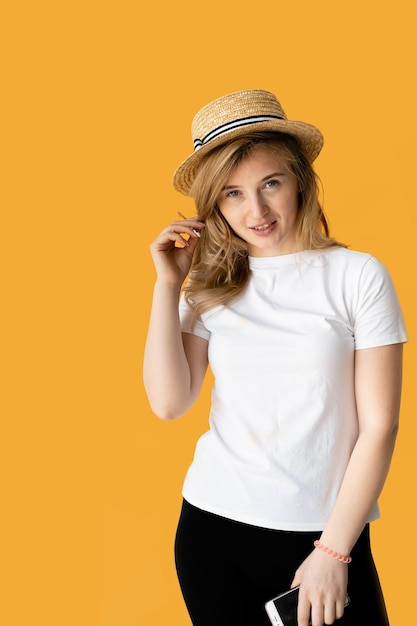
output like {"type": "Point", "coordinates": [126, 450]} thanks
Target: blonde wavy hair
{"type": "Point", "coordinates": [220, 269]}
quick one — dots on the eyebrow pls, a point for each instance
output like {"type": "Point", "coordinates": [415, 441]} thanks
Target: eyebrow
{"type": "Point", "coordinates": [274, 174]}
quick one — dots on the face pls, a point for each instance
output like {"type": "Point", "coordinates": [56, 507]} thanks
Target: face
{"type": "Point", "coordinates": [260, 203]}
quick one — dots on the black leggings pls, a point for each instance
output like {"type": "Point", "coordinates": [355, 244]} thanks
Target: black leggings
{"type": "Point", "coordinates": [228, 570]}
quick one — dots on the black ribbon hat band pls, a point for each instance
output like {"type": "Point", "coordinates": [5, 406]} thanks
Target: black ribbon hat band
{"type": "Point", "coordinates": [224, 128]}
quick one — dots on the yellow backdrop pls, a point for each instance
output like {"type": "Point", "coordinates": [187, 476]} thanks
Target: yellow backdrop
{"type": "Point", "coordinates": [97, 103]}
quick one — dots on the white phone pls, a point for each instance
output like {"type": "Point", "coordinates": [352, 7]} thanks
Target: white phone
{"type": "Point", "coordinates": [282, 610]}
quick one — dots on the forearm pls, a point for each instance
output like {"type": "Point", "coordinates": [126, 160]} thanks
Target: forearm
{"type": "Point", "coordinates": [378, 374]}
{"type": "Point", "coordinates": [323, 579]}
{"type": "Point", "coordinates": [363, 482]}
{"type": "Point", "coordinates": [166, 370]}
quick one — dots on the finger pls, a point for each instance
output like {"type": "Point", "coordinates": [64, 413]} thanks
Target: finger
{"type": "Point", "coordinates": [192, 227]}
{"type": "Point", "coordinates": [329, 613]}
{"type": "Point", "coordinates": [178, 228]}
{"type": "Point", "coordinates": [317, 615]}
{"type": "Point", "coordinates": [194, 222]}
{"type": "Point", "coordinates": [340, 608]}
{"type": "Point", "coordinates": [296, 582]}
{"type": "Point", "coordinates": [170, 237]}
{"type": "Point", "coordinates": [167, 242]}
{"type": "Point", "coordinates": [303, 610]}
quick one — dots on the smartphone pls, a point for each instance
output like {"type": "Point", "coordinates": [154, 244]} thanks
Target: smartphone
{"type": "Point", "coordinates": [282, 610]}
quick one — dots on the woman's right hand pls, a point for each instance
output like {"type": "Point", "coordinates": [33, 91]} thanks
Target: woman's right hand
{"type": "Point", "coordinates": [173, 262]}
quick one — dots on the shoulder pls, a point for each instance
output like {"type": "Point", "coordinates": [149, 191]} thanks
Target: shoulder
{"type": "Point", "coordinates": [348, 269]}
{"type": "Point", "coordinates": [353, 261]}
{"type": "Point", "coordinates": [346, 256]}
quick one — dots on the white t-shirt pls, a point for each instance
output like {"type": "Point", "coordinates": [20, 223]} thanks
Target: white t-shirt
{"type": "Point", "coordinates": [283, 419]}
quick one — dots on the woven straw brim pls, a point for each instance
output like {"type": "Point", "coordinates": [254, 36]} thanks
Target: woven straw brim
{"type": "Point", "coordinates": [310, 138]}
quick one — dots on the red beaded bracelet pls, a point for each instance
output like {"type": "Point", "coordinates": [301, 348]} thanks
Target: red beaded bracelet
{"type": "Point", "coordinates": [343, 558]}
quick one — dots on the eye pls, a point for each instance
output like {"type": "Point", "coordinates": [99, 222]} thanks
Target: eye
{"type": "Point", "coordinates": [232, 194]}
{"type": "Point", "coordinates": [270, 184]}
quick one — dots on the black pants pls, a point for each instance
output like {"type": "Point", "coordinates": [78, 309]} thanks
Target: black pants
{"type": "Point", "coordinates": [228, 570]}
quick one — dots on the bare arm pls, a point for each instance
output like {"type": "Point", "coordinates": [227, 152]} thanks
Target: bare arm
{"type": "Point", "coordinates": [174, 363]}
{"type": "Point", "coordinates": [323, 579]}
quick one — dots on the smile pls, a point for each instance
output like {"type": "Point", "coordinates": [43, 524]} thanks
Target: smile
{"type": "Point", "coordinates": [263, 226]}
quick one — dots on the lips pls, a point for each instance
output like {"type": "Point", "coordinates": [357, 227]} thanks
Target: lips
{"type": "Point", "coordinates": [262, 227]}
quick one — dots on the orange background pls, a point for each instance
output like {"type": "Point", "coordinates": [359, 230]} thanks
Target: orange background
{"type": "Point", "coordinates": [97, 103]}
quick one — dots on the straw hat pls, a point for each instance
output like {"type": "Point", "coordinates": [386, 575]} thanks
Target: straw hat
{"type": "Point", "coordinates": [235, 115]}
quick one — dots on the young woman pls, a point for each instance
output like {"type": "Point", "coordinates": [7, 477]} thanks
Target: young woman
{"type": "Point", "coordinates": [304, 338]}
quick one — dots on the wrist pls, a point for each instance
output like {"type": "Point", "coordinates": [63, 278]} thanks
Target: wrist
{"type": "Point", "coordinates": [171, 286]}
{"type": "Point", "coordinates": [342, 558]}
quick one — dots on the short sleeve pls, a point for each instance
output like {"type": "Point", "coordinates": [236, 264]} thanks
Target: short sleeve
{"type": "Point", "coordinates": [186, 315]}
{"type": "Point", "coordinates": [378, 319]}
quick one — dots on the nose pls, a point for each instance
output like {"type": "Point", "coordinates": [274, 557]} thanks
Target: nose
{"type": "Point", "coordinates": [256, 206]}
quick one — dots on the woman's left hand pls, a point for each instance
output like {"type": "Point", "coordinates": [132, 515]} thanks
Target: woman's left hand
{"type": "Point", "coordinates": [323, 586]}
